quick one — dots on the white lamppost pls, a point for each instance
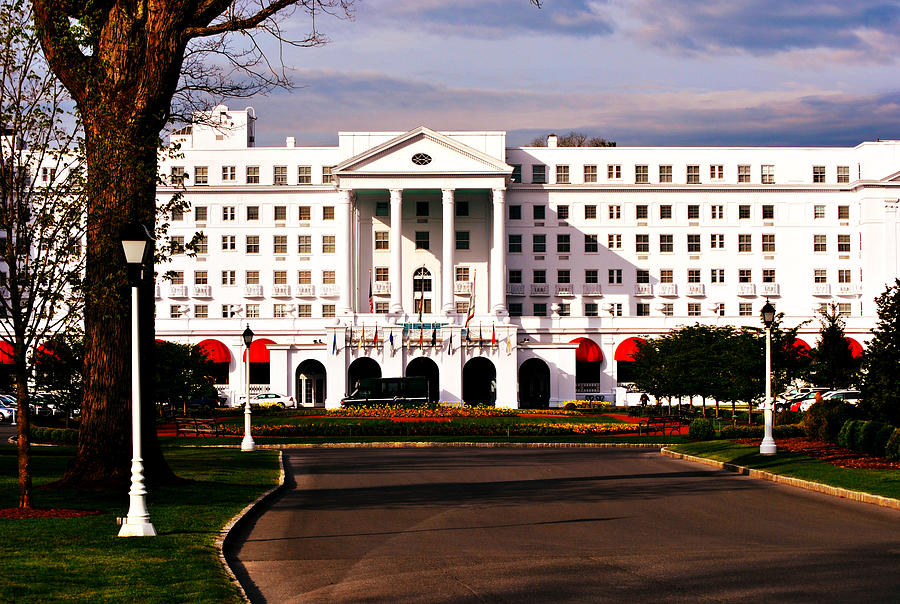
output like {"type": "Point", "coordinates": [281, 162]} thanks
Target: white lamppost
{"type": "Point", "coordinates": [767, 447]}
{"type": "Point", "coordinates": [247, 444]}
{"type": "Point", "coordinates": [136, 244]}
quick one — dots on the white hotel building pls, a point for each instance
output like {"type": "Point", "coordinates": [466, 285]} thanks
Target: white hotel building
{"type": "Point", "coordinates": [571, 254]}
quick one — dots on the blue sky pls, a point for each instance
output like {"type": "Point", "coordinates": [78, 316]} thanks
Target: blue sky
{"type": "Point", "coordinates": [641, 72]}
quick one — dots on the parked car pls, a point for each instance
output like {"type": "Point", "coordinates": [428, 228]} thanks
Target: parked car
{"type": "Point", "coordinates": [807, 398]}
{"type": "Point", "coordinates": [6, 412]}
{"type": "Point", "coordinates": [785, 403]}
{"type": "Point", "coordinates": [271, 399]}
{"type": "Point", "coordinates": [850, 396]}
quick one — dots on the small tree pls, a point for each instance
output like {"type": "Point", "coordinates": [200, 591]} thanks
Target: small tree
{"type": "Point", "coordinates": [880, 382]}
{"type": "Point", "coordinates": [832, 363]}
{"type": "Point", "coordinates": [57, 371]}
{"type": "Point", "coordinates": [183, 372]}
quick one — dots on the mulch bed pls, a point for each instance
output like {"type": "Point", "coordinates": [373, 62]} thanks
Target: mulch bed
{"type": "Point", "coordinates": [830, 453]}
{"type": "Point", "coordinates": [17, 514]}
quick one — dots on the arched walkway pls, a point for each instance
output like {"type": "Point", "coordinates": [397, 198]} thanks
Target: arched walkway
{"type": "Point", "coordinates": [310, 379]}
{"type": "Point", "coordinates": [479, 385]}
{"type": "Point", "coordinates": [534, 384]}
{"type": "Point", "coordinates": [360, 369]}
{"type": "Point", "coordinates": [588, 365]}
{"type": "Point", "coordinates": [625, 360]}
{"type": "Point", "coordinates": [425, 367]}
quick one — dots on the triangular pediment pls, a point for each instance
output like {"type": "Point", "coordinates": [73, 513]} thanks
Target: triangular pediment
{"type": "Point", "coordinates": [895, 177]}
{"type": "Point", "coordinates": [422, 152]}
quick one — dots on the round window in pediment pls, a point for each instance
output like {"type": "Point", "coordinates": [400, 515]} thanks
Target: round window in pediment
{"type": "Point", "coordinates": [421, 159]}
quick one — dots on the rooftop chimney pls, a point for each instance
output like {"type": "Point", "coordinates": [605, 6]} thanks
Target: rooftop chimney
{"type": "Point", "coordinates": [551, 140]}
{"type": "Point", "coordinates": [290, 142]}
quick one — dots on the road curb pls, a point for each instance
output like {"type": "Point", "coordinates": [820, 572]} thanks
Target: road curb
{"type": "Point", "coordinates": [236, 521]}
{"type": "Point", "coordinates": [422, 445]}
{"type": "Point", "coordinates": [817, 487]}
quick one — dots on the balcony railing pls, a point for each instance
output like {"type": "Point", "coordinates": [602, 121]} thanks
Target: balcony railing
{"type": "Point", "coordinates": [540, 289]}
{"type": "Point", "coordinates": [564, 289]}
{"type": "Point", "coordinates": [281, 290]}
{"type": "Point", "coordinates": [769, 289]}
{"type": "Point", "coordinates": [253, 291]}
{"type": "Point", "coordinates": [305, 290]}
{"type": "Point", "coordinates": [178, 291]}
{"type": "Point", "coordinates": [381, 287]}
{"type": "Point", "coordinates": [667, 289]}
{"type": "Point", "coordinates": [515, 289]}
{"type": "Point", "coordinates": [592, 289]}
{"type": "Point", "coordinates": [821, 289]}
{"type": "Point", "coordinates": [643, 289]}
{"type": "Point", "coordinates": [696, 289]}
{"type": "Point", "coordinates": [746, 289]}
{"type": "Point", "coordinates": [849, 289]}
{"type": "Point", "coordinates": [462, 287]}
{"type": "Point", "coordinates": [331, 290]}
{"type": "Point", "coordinates": [203, 291]}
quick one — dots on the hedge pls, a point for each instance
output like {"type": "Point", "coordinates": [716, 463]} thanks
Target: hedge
{"type": "Point", "coordinates": [57, 436]}
{"type": "Point", "coordinates": [785, 431]}
{"type": "Point", "coordinates": [870, 437]}
{"type": "Point", "coordinates": [892, 450]}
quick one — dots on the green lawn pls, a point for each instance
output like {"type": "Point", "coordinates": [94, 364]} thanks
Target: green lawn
{"type": "Point", "coordinates": [877, 482]}
{"type": "Point", "coordinates": [82, 560]}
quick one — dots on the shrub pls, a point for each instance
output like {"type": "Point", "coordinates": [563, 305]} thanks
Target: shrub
{"type": "Point", "coordinates": [60, 436]}
{"type": "Point", "coordinates": [786, 431]}
{"type": "Point", "coordinates": [892, 450]}
{"type": "Point", "coordinates": [873, 437]}
{"type": "Point", "coordinates": [825, 419]}
{"type": "Point", "coordinates": [701, 429]}
{"type": "Point", "coordinates": [847, 435]}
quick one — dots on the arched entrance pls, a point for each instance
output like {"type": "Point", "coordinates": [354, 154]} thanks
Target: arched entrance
{"type": "Point", "coordinates": [310, 378]}
{"type": "Point", "coordinates": [625, 360]}
{"type": "Point", "coordinates": [360, 369]}
{"type": "Point", "coordinates": [588, 361]}
{"type": "Point", "coordinates": [425, 367]}
{"type": "Point", "coordinates": [534, 384]}
{"type": "Point", "coordinates": [422, 291]}
{"type": "Point", "coordinates": [479, 385]}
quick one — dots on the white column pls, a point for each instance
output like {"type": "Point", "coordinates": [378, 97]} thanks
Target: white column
{"type": "Point", "coordinates": [498, 257]}
{"type": "Point", "coordinates": [344, 270]}
{"type": "Point", "coordinates": [396, 242]}
{"type": "Point", "coordinates": [449, 244]}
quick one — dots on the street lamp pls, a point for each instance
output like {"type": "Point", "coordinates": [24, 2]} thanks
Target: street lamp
{"type": "Point", "coordinates": [767, 447]}
{"type": "Point", "coordinates": [136, 243]}
{"type": "Point", "coordinates": [247, 444]}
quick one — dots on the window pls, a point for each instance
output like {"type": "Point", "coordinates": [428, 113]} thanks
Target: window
{"type": "Point", "coordinates": [642, 275]}
{"type": "Point", "coordinates": [252, 311]}
{"type": "Point", "coordinates": [640, 212]}
{"type": "Point", "coordinates": [717, 275]}
{"type": "Point", "coordinates": [328, 277]}
{"type": "Point", "coordinates": [563, 275]}
{"type": "Point", "coordinates": [768, 212]}
{"type": "Point", "coordinates": [178, 175]}
{"type": "Point", "coordinates": [614, 242]}
{"type": "Point", "coordinates": [819, 243]}
{"type": "Point", "coordinates": [843, 212]}
{"type": "Point", "coordinates": [422, 240]}
{"type": "Point", "coordinates": [304, 213]}
{"type": "Point", "coordinates": [693, 275]}
{"type": "Point", "coordinates": [844, 275]}
{"type": "Point", "coordinates": [176, 244]}
{"type": "Point", "coordinates": [615, 212]}
{"type": "Point", "coordinates": [539, 212]}
{"type": "Point", "coordinates": [615, 276]}
{"type": "Point", "coordinates": [562, 212]}
{"type": "Point", "coordinates": [843, 243]}
{"type": "Point", "coordinates": [843, 174]}
{"type": "Point", "coordinates": [768, 242]}
{"type": "Point", "coordinates": [383, 273]}
{"type": "Point", "coordinates": [745, 243]}
{"type": "Point", "coordinates": [381, 308]}
{"type": "Point", "coordinates": [745, 309]}
{"type": "Point", "coordinates": [304, 311]}
{"type": "Point", "coordinates": [820, 275]}
{"type": "Point", "coordinates": [818, 174]}
{"type": "Point", "coordinates": [665, 212]}
{"type": "Point", "coordinates": [744, 212]}
{"type": "Point", "coordinates": [641, 174]}
{"type": "Point", "coordinates": [563, 244]}
{"type": "Point", "coordinates": [421, 209]}
{"type": "Point", "coordinates": [382, 208]}
{"type": "Point", "coordinates": [200, 214]}
{"type": "Point", "coordinates": [768, 275]}
{"type": "Point", "coordinates": [279, 311]}
{"type": "Point", "coordinates": [462, 273]}
{"type": "Point", "coordinates": [693, 212]}
{"type": "Point", "coordinates": [381, 240]}
{"type": "Point", "coordinates": [462, 240]}
{"type": "Point", "coordinates": [564, 309]}
{"type": "Point", "coordinates": [818, 211]}
{"type": "Point", "coordinates": [177, 214]}
{"type": "Point", "coordinates": [515, 212]}
{"type": "Point", "coordinates": [229, 311]}
{"type": "Point", "coordinates": [252, 278]}
{"type": "Point", "coordinates": [252, 212]}
{"type": "Point", "coordinates": [252, 175]}
{"type": "Point", "coordinates": [515, 276]}
{"type": "Point", "coordinates": [667, 309]}
{"type": "Point", "coordinates": [538, 174]}
{"type": "Point", "coordinates": [202, 245]}
{"type": "Point", "coordinates": [229, 173]}
{"type": "Point", "coordinates": [516, 175]}
{"type": "Point", "coordinates": [279, 244]}
{"type": "Point", "coordinates": [591, 275]}
{"type": "Point", "coordinates": [539, 243]}
{"type": "Point", "coordinates": [642, 309]}
{"type": "Point", "coordinates": [744, 275]}
{"type": "Point", "coordinates": [693, 309]}
{"type": "Point", "coordinates": [304, 175]}
{"type": "Point", "coordinates": [693, 175]}
{"type": "Point", "coordinates": [280, 213]}
{"type": "Point", "coordinates": [590, 212]}
{"type": "Point", "coordinates": [304, 277]}
{"type": "Point", "coordinates": [279, 175]}
{"type": "Point", "coordinates": [717, 241]}
{"type": "Point", "coordinates": [562, 175]}
{"type": "Point", "coordinates": [716, 171]}
{"type": "Point", "coordinates": [539, 276]}
{"type": "Point", "coordinates": [844, 309]}
{"type": "Point", "coordinates": [693, 242]}
{"type": "Point", "coordinates": [590, 173]}
{"type": "Point", "coordinates": [515, 243]}
{"type": "Point", "coordinates": [539, 310]}
{"type": "Point", "coordinates": [228, 213]}
{"type": "Point", "coordinates": [461, 208]}
{"type": "Point", "coordinates": [229, 242]}
{"type": "Point", "coordinates": [327, 176]}
{"type": "Point", "coordinates": [304, 244]}
{"type": "Point", "coordinates": [665, 174]}
{"type": "Point", "coordinates": [665, 275]}
{"type": "Point", "coordinates": [328, 213]}
{"type": "Point", "coordinates": [201, 175]}
{"type": "Point", "coordinates": [591, 244]}
{"type": "Point", "coordinates": [279, 277]}
{"type": "Point", "coordinates": [717, 212]}
{"type": "Point", "coordinates": [642, 243]}
{"type": "Point", "coordinates": [175, 311]}
{"type": "Point", "coordinates": [591, 309]}
{"type": "Point", "coordinates": [328, 311]}
{"type": "Point", "coordinates": [201, 278]}
{"type": "Point", "coordinates": [666, 243]}
{"type": "Point", "coordinates": [515, 308]}
{"type": "Point", "coordinates": [252, 244]}
{"type": "Point", "coordinates": [201, 311]}
{"type": "Point", "coordinates": [767, 173]}
{"type": "Point", "coordinates": [613, 171]}
{"type": "Point", "coordinates": [327, 244]}
{"type": "Point", "coordinates": [177, 277]}
{"type": "Point", "coordinates": [744, 173]}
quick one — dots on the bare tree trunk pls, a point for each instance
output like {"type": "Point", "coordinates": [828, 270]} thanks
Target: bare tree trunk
{"type": "Point", "coordinates": [704, 405]}
{"type": "Point", "coordinates": [717, 408]}
{"type": "Point", "coordinates": [23, 419]}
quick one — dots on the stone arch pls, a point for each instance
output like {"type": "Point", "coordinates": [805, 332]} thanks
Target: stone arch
{"type": "Point", "coordinates": [361, 368]}
{"type": "Point", "coordinates": [534, 384]}
{"type": "Point", "coordinates": [479, 379]}
{"type": "Point", "coordinates": [310, 379]}
{"type": "Point", "coordinates": [427, 368]}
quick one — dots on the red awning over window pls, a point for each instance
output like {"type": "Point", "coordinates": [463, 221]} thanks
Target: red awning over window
{"type": "Point", "coordinates": [856, 348]}
{"type": "Point", "coordinates": [801, 347]}
{"type": "Point", "coordinates": [6, 353]}
{"type": "Point", "coordinates": [587, 350]}
{"type": "Point", "coordinates": [259, 352]}
{"type": "Point", "coordinates": [215, 351]}
{"type": "Point", "coordinates": [627, 348]}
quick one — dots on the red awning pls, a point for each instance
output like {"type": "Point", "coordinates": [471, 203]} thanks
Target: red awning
{"type": "Point", "coordinates": [856, 348]}
{"type": "Point", "coordinates": [51, 348]}
{"type": "Point", "coordinates": [215, 351]}
{"type": "Point", "coordinates": [259, 352]}
{"type": "Point", "coordinates": [801, 347]}
{"type": "Point", "coordinates": [627, 348]}
{"type": "Point", "coordinates": [6, 353]}
{"type": "Point", "coordinates": [587, 350]}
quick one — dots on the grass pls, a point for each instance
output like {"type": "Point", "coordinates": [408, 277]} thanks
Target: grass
{"type": "Point", "coordinates": [234, 441]}
{"type": "Point", "coordinates": [876, 482]}
{"type": "Point", "coordinates": [82, 560]}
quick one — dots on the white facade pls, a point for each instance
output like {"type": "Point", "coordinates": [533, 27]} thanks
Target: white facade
{"type": "Point", "coordinates": [612, 243]}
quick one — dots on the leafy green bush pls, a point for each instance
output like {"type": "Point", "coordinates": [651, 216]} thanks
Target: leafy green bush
{"type": "Point", "coordinates": [874, 436]}
{"type": "Point", "coordinates": [701, 429]}
{"type": "Point", "coordinates": [59, 436]}
{"type": "Point", "coordinates": [825, 419]}
{"type": "Point", "coordinates": [786, 431]}
{"type": "Point", "coordinates": [892, 450]}
{"type": "Point", "coordinates": [847, 435]}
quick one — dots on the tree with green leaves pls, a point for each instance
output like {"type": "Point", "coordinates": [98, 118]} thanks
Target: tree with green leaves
{"type": "Point", "coordinates": [183, 373]}
{"type": "Point", "coordinates": [57, 371]}
{"type": "Point", "coordinates": [831, 362]}
{"type": "Point", "coordinates": [880, 381]}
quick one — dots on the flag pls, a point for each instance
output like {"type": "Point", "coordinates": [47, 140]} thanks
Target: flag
{"type": "Point", "coordinates": [509, 346]}
{"type": "Point", "coordinates": [471, 310]}
{"type": "Point", "coordinates": [350, 341]}
{"type": "Point", "coordinates": [450, 344]}
{"type": "Point", "coordinates": [480, 337]}
{"type": "Point", "coordinates": [468, 336]}
{"type": "Point", "coordinates": [359, 340]}
{"type": "Point", "coordinates": [433, 337]}
{"type": "Point", "coordinates": [375, 337]}
{"type": "Point", "coordinates": [493, 337]}
{"type": "Point", "coordinates": [409, 341]}
{"type": "Point", "coordinates": [334, 344]}
{"type": "Point", "coordinates": [391, 340]}
{"type": "Point", "coordinates": [421, 336]}
{"type": "Point", "coordinates": [371, 300]}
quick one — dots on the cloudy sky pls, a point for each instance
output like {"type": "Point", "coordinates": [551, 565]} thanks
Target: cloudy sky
{"type": "Point", "coordinates": [641, 72]}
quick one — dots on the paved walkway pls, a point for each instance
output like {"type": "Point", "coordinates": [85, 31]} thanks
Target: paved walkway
{"type": "Point", "coordinates": [550, 525]}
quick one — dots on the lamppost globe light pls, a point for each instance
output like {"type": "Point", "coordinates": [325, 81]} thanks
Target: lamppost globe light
{"type": "Point", "coordinates": [248, 336]}
{"type": "Point", "coordinates": [135, 243]}
{"type": "Point", "coordinates": [247, 444]}
{"type": "Point", "coordinates": [768, 314]}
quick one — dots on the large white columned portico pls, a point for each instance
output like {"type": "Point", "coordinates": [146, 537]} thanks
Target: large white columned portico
{"type": "Point", "coordinates": [498, 254]}
{"type": "Point", "coordinates": [449, 244]}
{"type": "Point", "coordinates": [396, 242]}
